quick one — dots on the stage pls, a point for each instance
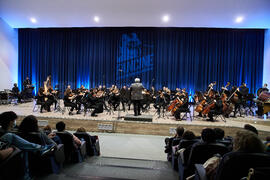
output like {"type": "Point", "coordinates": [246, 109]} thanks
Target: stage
{"type": "Point", "coordinates": [113, 122]}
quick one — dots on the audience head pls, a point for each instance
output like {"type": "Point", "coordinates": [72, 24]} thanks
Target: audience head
{"type": "Point", "coordinates": [60, 126]}
{"type": "Point", "coordinates": [268, 138]}
{"type": "Point", "coordinates": [208, 135]}
{"type": "Point", "coordinates": [47, 128]}
{"type": "Point", "coordinates": [179, 131]}
{"type": "Point", "coordinates": [15, 84]}
{"type": "Point", "coordinates": [8, 119]}
{"type": "Point", "coordinates": [219, 133]}
{"type": "Point", "coordinates": [251, 128]}
{"type": "Point", "coordinates": [188, 135]}
{"type": "Point", "coordinates": [81, 129]}
{"type": "Point", "coordinates": [248, 141]}
{"type": "Point", "coordinates": [29, 124]}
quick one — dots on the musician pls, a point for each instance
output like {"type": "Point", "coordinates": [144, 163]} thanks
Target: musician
{"type": "Point", "coordinates": [123, 99]}
{"type": "Point", "coordinates": [52, 96]}
{"type": "Point", "coordinates": [182, 108]}
{"type": "Point", "coordinates": [94, 101]}
{"type": "Point", "coordinates": [236, 99]}
{"type": "Point", "coordinates": [114, 99]}
{"type": "Point", "coordinates": [27, 88]}
{"type": "Point", "coordinates": [68, 100]}
{"type": "Point", "coordinates": [244, 90]}
{"type": "Point", "coordinates": [26, 83]}
{"type": "Point", "coordinates": [16, 92]}
{"type": "Point", "coordinates": [265, 88]}
{"type": "Point", "coordinates": [218, 108]}
{"type": "Point", "coordinates": [136, 89]}
{"type": "Point", "coordinates": [41, 99]}
{"type": "Point", "coordinates": [146, 99]}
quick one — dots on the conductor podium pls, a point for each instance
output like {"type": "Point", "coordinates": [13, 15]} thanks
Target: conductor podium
{"type": "Point", "coordinates": [145, 118]}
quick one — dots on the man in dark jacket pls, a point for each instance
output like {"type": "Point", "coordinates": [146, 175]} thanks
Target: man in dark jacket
{"type": "Point", "coordinates": [136, 96]}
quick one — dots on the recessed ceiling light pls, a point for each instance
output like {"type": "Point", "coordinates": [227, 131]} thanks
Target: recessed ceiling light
{"type": "Point", "coordinates": [96, 19]}
{"type": "Point", "coordinates": [239, 19]}
{"type": "Point", "coordinates": [165, 18]}
{"type": "Point", "coordinates": [33, 20]}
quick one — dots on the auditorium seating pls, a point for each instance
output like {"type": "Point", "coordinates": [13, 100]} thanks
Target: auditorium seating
{"type": "Point", "coordinates": [38, 165]}
{"type": "Point", "coordinates": [13, 167]}
{"type": "Point", "coordinates": [199, 154]}
{"type": "Point", "coordinates": [236, 165]}
{"type": "Point", "coordinates": [182, 144]}
{"type": "Point", "coordinates": [91, 144]}
{"type": "Point", "coordinates": [72, 153]}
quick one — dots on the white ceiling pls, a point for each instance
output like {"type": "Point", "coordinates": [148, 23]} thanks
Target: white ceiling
{"type": "Point", "coordinates": [183, 13]}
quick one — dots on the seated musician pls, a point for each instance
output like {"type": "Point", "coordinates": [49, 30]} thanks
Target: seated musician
{"type": "Point", "coordinates": [182, 108]}
{"type": "Point", "coordinates": [52, 96]}
{"type": "Point", "coordinates": [68, 100]}
{"type": "Point", "coordinates": [41, 99]}
{"type": "Point", "coordinates": [114, 99]}
{"type": "Point", "coordinates": [94, 100]}
{"type": "Point", "coordinates": [218, 108]}
{"type": "Point", "coordinates": [147, 99]}
{"type": "Point", "coordinates": [16, 92]}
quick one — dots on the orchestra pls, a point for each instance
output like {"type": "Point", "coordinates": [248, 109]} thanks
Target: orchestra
{"type": "Point", "coordinates": [227, 101]}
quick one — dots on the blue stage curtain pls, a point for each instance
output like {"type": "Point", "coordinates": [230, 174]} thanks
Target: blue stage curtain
{"type": "Point", "coordinates": [175, 57]}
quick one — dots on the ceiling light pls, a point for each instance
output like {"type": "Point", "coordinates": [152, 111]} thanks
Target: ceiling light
{"type": "Point", "coordinates": [165, 18]}
{"type": "Point", "coordinates": [33, 20]}
{"type": "Point", "coordinates": [96, 19]}
{"type": "Point", "coordinates": [239, 19]}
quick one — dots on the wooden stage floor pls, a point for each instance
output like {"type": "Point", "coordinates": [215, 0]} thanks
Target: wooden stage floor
{"type": "Point", "coordinates": [114, 122]}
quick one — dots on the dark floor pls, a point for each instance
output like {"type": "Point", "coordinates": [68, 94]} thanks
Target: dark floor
{"type": "Point", "coordinates": [107, 168]}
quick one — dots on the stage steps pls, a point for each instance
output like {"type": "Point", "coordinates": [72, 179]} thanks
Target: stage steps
{"type": "Point", "coordinates": [110, 168]}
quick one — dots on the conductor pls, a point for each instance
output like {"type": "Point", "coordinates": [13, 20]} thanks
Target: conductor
{"type": "Point", "coordinates": [136, 95]}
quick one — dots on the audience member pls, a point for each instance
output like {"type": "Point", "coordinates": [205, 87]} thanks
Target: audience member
{"type": "Point", "coordinates": [251, 128]}
{"type": "Point", "coordinates": [61, 126]}
{"type": "Point", "coordinates": [219, 133]}
{"type": "Point", "coordinates": [7, 121]}
{"type": "Point", "coordinates": [188, 135]}
{"type": "Point", "coordinates": [30, 124]}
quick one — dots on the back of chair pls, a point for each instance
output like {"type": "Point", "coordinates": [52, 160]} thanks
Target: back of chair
{"type": "Point", "coordinates": [69, 144]}
{"type": "Point", "coordinates": [33, 137]}
{"type": "Point", "coordinates": [176, 141]}
{"type": "Point", "coordinates": [202, 152]}
{"type": "Point", "coordinates": [87, 139]}
{"type": "Point", "coordinates": [235, 165]}
{"type": "Point", "coordinates": [186, 143]}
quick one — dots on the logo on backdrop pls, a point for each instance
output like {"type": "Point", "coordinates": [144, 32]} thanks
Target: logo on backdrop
{"type": "Point", "coordinates": [134, 60]}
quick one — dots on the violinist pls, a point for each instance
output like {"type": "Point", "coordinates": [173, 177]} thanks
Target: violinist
{"type": "Point", "coordinates": [114, 99]}
{"type": "Point", "coordinates": [41, 100]}
{"type": "Point", "coordinates": [94, 101]}
{"type": "Point", "coordinates": [68, 100]}
{"type": "Point", "coordinates": [217, 108]}
{"type": "Point", "coordinates": [51, 95]}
